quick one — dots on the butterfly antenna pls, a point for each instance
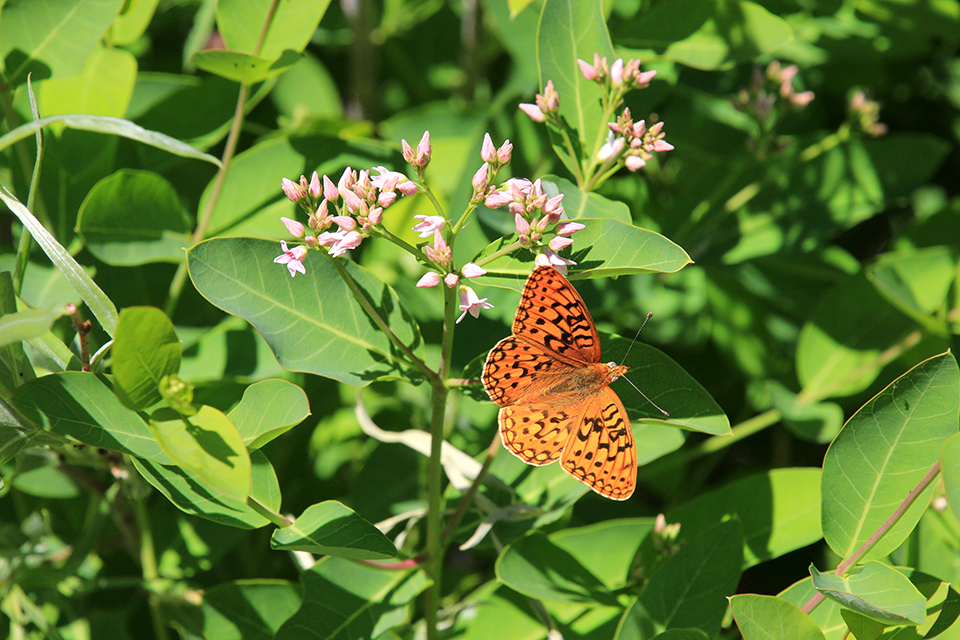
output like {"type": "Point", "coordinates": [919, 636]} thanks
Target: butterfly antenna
{"type": "Point", "coordinates": [649, 315]}
{"type": "Point", "coordinates": [656, 406]}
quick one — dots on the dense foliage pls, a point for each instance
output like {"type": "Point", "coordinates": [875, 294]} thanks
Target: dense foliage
{"type": "Point", "coordinates": [208, 433]}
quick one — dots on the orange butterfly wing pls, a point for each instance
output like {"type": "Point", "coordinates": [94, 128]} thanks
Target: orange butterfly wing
{"type": "Point", "coordinates": [554, 391]}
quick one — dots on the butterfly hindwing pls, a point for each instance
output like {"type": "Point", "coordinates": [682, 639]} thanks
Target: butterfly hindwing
{"type": "Point", "coordinates": [552, 314]}
{"type": "Point", "coordinates": [536, 433]}
{"type": "Point", "coordinates": [600, 451]}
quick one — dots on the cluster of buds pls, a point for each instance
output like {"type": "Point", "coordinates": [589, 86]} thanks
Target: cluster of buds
{"type": "Point", "coordinates": [633, 141]}
{"type": "Point", "coordinates": [418, 158]}
{"type": "Point", "coordinates": [761, 98]}
{"type": "Point", "coordinates": [864, 114]}
{"type": "Point", "coordinates": [494, 159]}
{"type": "Point", "coordinates": [358, 201]}
{"type": "Point", "coordinates": [620, 74]}
{"type": "Point", "coordinates": [547, 105]}
{"type": "Point", "coordinates": [537, 216]}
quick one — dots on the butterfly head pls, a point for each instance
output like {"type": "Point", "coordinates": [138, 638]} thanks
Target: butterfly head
{"type": "Point", "coordinates": [616, 370]}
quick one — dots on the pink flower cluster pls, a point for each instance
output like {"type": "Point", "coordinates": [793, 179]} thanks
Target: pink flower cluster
{"type": "Point", "coordinates": [633, 139]}
{"type": "Point", "coordinates": [865, 114]}
{"type": "Point", "coordinates": [363, 200]}
{"type": "Point", "coordinates": [536, 214]}
{"type": "Point", "coordinates": [619, 74]}
{"type": "Point", "coordinates": [765, 87]}
{"type": "Point", "coordinates": [547, 104]}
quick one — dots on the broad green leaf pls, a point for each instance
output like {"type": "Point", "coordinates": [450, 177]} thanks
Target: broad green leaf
{"type": "Point", "coordinates": [571, 29]}
{"type": "Point", "coordinates": [243, 67]}
{"type": "Point", "coordinates": [307, 88]}
{"type": "Point", "coordinates": [27, 324]}
{"type": "Point", "coordinates": [606, 548]}
{"type": "Point", "coordinates": [827, 615]}
{"type": "Point", "coordinates": [862, 627]}
{"type": "Point", "coordinates": [103, 88]}
{"type": "Point", "coordinates": [332, 529]}
{"type": "Point", "coordinates": [578, 204]}
{"type": "Point", "coordinates": [208, 446]}
{"type": "Point", "coordinates": [536, 567]}
{"type": "Point", "coordinates": [145, 350]}
{"type": "Point", "coordinates": [874, 590]}
{"type": "Point", "coordinates": [344, 600]}
{"type": "Point", "coordinates": [268, 409]}
{"type": "Point", "coordinates": [312, 322]}
{"type": "Point", "coordinates": [292, 24]}
{"type": "Point", "coordinates": [109, 126]}
{"type": "Point", "coordinates": [132, 21]}
{"type": "Point", "coordinates": [916, 282]}
{"type": "Point", "coordinates": [605, 248]}
{"type": "Point", "coordinates": [210, 353]}
{"type": "Point", "coordinates": [501, 613]}
{"type": "Point", "coordinates": [950, 465]}
{"type": "Point", "coordinates": [766, 617]}
{"type": "Point", "coordinates": [193, 496]}
{"type": "Point", "coordinates": [839, 349]}
{"type": "Point", "coordinates": [51, 38]}
{"type": "Point", "coordinates": [97, 301]}
{"type": "Point", "coordinates": [47, 482]}
{"type": "Point", "coordinates": [81, 406]}
{"type": "Point", "coordinates": [883, 451]}
{"type": "Point", "coordinates": [690, 589]}
{"type": "Point", "coordinates": [779, 512]}
{"type": "Point", "coordinates": [244, 610]}
{"type": "Point", "coordinates": [159, 232]}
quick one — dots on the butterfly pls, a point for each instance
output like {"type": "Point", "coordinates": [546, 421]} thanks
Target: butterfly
{"type": "Point", "coordinates": [554, 392]}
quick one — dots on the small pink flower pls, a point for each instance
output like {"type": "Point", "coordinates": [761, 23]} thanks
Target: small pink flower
{"type": "Point", "coordinates": [802, 99]}
{"type": "Point", "coordinates": [293, 258]}
{"type": "Point", "coordinates": [424, 150]}
{"type": "Point", "coordinates": [532, 111]}
{"type": "Point", "coordinates": [635, 163]}
{"type": "Point", "coordinates": [611, 147]}
{"type": "Point", "coordinates": [386, 198]}
{"type": "Point", "coordinates": [407, 188]}
{"type": "Point", "coordinates": [349, 240]}
{"type": "Point", "coordinates": [472, 270]}
{"type": "Point", "coordinates": [616, 72]}
{"type": "Point", "coordinates": [315, 186]}
{"type": "Point", "coordinates": [330, 191]}
{"type": "Point", "coordinates": [351, 200]}
{"type": "Point", "coordinates": [550, 258]}
{"type": "Point", "coordinates": [387, 180]}
{"type": "Point", "coordinates": [488, 152]}
{"type": "Point", "coordinates": [429, 279]}
{"type": "Point", "coordinates": [588, 70]}
{"type": "Point", "coordinates": [291, 189]}
{"type": "Point", "coordinates": [295, 228]}
{"type": "Point", "coordinates": [439, 253]}
{"type": "Point", "coordinates": [568, 228]}
{"type": "Point", "coordinates": [505, 152]}
{"type": "Point", "coordinates": [451, 280]}
{"type": "Point", "coordinates": [497, 199]}
{"type": "Point", "coordinates": [558, 243]}
{"type": "Point", "coordinates": [429, 225]}
{"type": "Point", "coordinates": [471, 303]}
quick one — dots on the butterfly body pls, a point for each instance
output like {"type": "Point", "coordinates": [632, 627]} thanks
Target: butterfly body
{"type": "Point", "coordinates": [554, 392]}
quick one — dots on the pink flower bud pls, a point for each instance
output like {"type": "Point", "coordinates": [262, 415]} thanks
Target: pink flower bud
{"type": "Point", "coordinates": [315, 186]}
{"type": "Point", "coordinates": [330, 191]}
{"type": "Point", "coordinates": [558, 243]}
{"type": "Point", "coordinates": [568, 228]}
{"type": "Point", "coordinates": [644, 78]}
{"type": "Point", "coordinates": [488, 152]}
{"type": "Point", "coordinates": [347, 180]}
{"type": "Point", "coordinates": [375, 216]}
{"type": "Point", "coordinates": [523, 227]}
{"type": "Point", "coordinates": [472, 270]}
{"type": "Point", "coordinates": [408, 153]}
{"type": "Point", "coordinates": [346, 223]}
{"type": "Point", "coordinates": [662, 145]}
{"type": "Point", "coordinates": [616, 72]}
{"type": "Point", "coordinates": [802, 99]}
{"type": "Point", "coordinates": [505, 152]}
{"type": "Point", "coordinates": [351, 200]}
{"type": "Point", "coordinates": [451, 280]}
{"type": "Point", "coordinates": [533, 111]}
{"type": "Point", "coordinates": [291, 189]}
{"type": "Point", "coordinates": [497, 199]}
{"type": "Point", "coordinates": [407, 188]}
{"type": "Point", "coordinates": [424, 150]}
{"type": "Point", "coordinates": [295, 228]}
{"type": "Point", "coordinates": [386, 198]}
{"type": "Point", "coordinates": [479, 181]}
{"type": "Point", "coordinates": [429, 279]}
{"type": "Point", "coordinates": [516, 208]}
{"type": "Point", "coordinates": [553, 203]}
{"type": "Point", "coordinates": [588, 70]}
{"type": "Point", "coordinates": [635, 163]}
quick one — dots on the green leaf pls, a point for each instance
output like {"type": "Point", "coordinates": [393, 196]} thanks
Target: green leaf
{"type": "Point", "coordinates": [578, 204]}
{"type": "Point", "coordinates": [839, 349]}
{"type": "Point", "coordinates": [681, 634]}
{"type": "Point", "coordinates": [691, 588]}
{"type": "Point", "coordinates": [291, 25]}
{"type": "Point", "coordinates": [158, 233]}
{"type": "Point", "coordinates": [132, 22]}
{"type": "Point", "coordinates": [883, 451]}
{"type": "Point", "coordinates": [950, 464]}
{"type": "Point", "coordinates": [317, 309]}
{"type": "Point", "coordinates": [51, 38]}
{"type": "Point", "coordinates": [817, 422]}
{"type": "Point", "coordinates": [778, 510]}
{"type": "Point", "coordinates": [268, 409]}
{"type": "Point", "coordinates": [827, 616]}
{"type": "Point", "coordinates": [605, 548]}
{"type": "Point", "coordinates": [27, 324]}
{"type": "Point", "coordinates": [192, 495]}
{"type": "Point", "coordinates": [916, 282]}
{"type": "Point", "coordinates": [15, 367]}
{"type": "Point", "coordinates": [243, 67]}
{"type": "Point", "coordinates": [876, 591]}
{"type": "Point", "coordinates": [332, 529]}
{"type": "Point", "coordinates": [98, 302]}
{"type": "Point", "coordinates": [208, 446]}
{"type": "Point", "coordinates": [246, 609]}
{"type": "Point", "coordinates": [109, 126]}
{"type": "Point", "coordinates": [145, 350]}
{"type": "Point", "coordinates": [605, 248]}
{"type": "Point", "coordinates": [569, 30]}
{"type": "Point", "coordinates": [345, 600]}
{"type": "Point", "coordinates": [103, 88]}
{"type": "Point", "coordinates": [757, 616]}
{"type": "Point", "coordinates": [862, 627]}
{"type": "Point", "coordinates": [81, 406]}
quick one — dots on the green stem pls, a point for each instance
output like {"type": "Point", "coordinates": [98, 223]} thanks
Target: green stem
{"type": "Point", "coordinates": [268, 513]}
{"type": "Point", "coordinates": [467, 498]}
{"type": "Point", "coordinates": [403, 244]}
{"type": "Point", "coordinates": [510, 248]}
{"type": "Point", "coordinates": [148, 567]}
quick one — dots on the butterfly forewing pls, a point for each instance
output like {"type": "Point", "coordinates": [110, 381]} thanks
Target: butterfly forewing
{"type": "Point", "coordinates": [516, 371]}
{"type": "Point", "coordinates": [552, 314]}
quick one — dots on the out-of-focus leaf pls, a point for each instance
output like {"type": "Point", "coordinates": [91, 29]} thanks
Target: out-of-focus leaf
{"type": "Point", "coordinates": [318, 309]}
{"type": "Point", "coordinates": [145, 350]}
{"type": "Point", "coordinates": [243, 67]}
{"type": "Point", "coordinates": [103, 88]}
{"type": "Point", "coordinates": [27, 324]}
{"type": "Point", "coordinates": [883, 451]}
{"type": "Point", "coordinates": [292, 24]}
